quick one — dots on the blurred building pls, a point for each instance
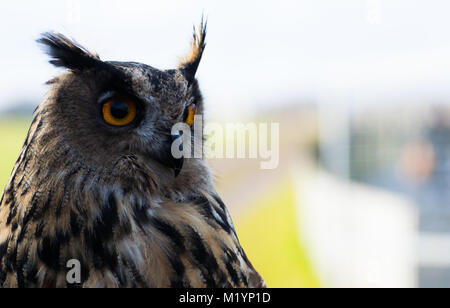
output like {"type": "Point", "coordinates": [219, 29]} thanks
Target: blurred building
{"type": "Point", "coordinates": [406, 151]}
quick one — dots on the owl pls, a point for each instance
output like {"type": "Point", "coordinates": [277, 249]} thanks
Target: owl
{"type": "Point", "coordinates": [96, 183]}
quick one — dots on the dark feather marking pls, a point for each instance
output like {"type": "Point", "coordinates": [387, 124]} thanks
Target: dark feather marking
{"type": "Point", "coordinates": [179, 269]}
{"type": "Point", "coordinates": [177, 284]}
{"type": "Point", "coordinates": [63, 237]}
{"type": "Point", "coordinates": [75, 225]}
{"type": "Point", "coordinates": [204, 257]}
{"type": "Point", "coordinates": [120, 276]}
{"type": "Point", "coordinates": [124, 228]}
{"type": "Point", "coordinates": [67, 183]}
{"type": "Point", "coordinates": [220, 202]}
{"type": "Point", "coordinates": [21, 181]}
{"type": "Point", "coordinates": [59, 209]}
{"type": "Point", "coordinates": [223, 213]}
{"type": "Point", "coordinates": [104, 225]}
{"type": "Point", "coordinates": [10, 191]}
{"type": "Point", "coordinates": [244, 279]}
{"type": "Point", "coordinates": [22, 165]}
{"type": "Point", "coordinates": [74, 170]}
{"type": "Point", "coordinates": [85, 271]}
{"type": "Point", "coordinates": [86, 177]}
{"type": "Point", "coordinates": [207, 208]}
{"type": "Point", "coordinates": [49, 280]}
{"type": "Point", "coordinates": [10, 258]}
{"type": "Point", "coordinates": [140, 215]}
{"type": "Point", "coordinates": [40, 210]}
{"type": "Point", "coordinates": [231, 271]}
{"type": "Point", "coordinates": [26, 189]}
{"type": "Point", "coordinates": [10, 200]}
{"type": "Point", "coordinates": [97, 247]}
{"type": "Point", "coordinates": [30, 141]}
{"type": "Point", "coordinates": [171, 232]}
{"type": "Point", "coordinates": [82, 210]}
{"type": "Point", "coordinates": [229, 260]}
{"type": "Point", "coordinates": [244, 256]}
{"type": "Point", "coordinates": [108, 258]}
{"type": "Point", "coordinates": [31, 271]}
{"type": "Point", "coordinates": [3, 250]}
{"type": "Point", "coordinates": [225, 225]}
{"type": "Point", "coordinates": [137, 278]}
{"type": "Point", "coordinates": [16, 164]}
{"type": "Point", "coordinates": [102, 232]}
{"type": "Point", "coordinates": [28, 216]}
{"type": "Point", "coordinates": [46, 137]}
{"type": "Point", "coordinates": [230, 254]}
{"type": "Point", "coordinates": [127, 188]}
{"type": "Point", "coordinates": [12, 214]}
{"type": "Point", "coordinates": [64, 153]}
{"type": "Point", "coordinates": [21, 260]}
{"type": "Point", "coordinates": [39, 229]}
{"type": "Point", "coordinates": [27, 138]}
{"type": "Point", "coordinates": [49, 252]}
{"type": "Point", "coordinates": [35, 117]}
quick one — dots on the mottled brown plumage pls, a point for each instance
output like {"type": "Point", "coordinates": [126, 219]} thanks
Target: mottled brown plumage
{"type": "Point", "coordinates": [108, 196]}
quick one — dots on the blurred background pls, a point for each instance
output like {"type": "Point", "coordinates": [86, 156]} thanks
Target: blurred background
{"type": "Point", "coordinates": [361, 91]}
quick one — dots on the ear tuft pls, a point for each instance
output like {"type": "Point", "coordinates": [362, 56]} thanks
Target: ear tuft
{"type": "Point", "coordinates": [65, 52]}
{"type": "Point", "coordinates": [190, 63]}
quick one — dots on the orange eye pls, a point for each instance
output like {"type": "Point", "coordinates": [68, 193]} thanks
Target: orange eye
{"type": "Point", "coordinates": [119, 111]}
{"type": "Point", "coordinates": [191, 115]}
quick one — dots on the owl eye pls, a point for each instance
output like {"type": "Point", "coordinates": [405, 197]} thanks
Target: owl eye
{"type": "Point", "coordinates": [119, 111]}
{"type": "Point", "coordinates": [191, 115]}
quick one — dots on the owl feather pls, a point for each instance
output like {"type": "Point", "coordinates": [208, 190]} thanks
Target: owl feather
{"type": "Point", "coordinates": [105, 195]}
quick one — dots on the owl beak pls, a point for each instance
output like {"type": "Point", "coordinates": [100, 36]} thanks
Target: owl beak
{"type": "Point", "coordinates": [166, 158]}
{"type": "Point", "coordinates": [177, 163]}
{"type": "Point", "coordinates": [178, 166]}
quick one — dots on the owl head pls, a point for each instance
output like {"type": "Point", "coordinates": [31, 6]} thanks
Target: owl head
{"type": "Point", "coordinates": [108, 111]}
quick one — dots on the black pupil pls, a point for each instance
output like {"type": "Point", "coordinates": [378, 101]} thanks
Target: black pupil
{"type": "Point", "coordinates": [119, 109]}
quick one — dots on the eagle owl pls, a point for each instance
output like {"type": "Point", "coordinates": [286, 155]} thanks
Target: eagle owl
{"type": "Point", "coordinates": [96, 182]}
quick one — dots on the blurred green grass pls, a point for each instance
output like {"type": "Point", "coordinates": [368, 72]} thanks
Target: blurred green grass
{"type": "Point", "coordinates": [269, 235]}
{"type": "Point", "coordinates": [12, 136]}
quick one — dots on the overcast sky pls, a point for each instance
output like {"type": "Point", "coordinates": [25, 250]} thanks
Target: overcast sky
{"type": "Point", "coordinates": [259, 53]}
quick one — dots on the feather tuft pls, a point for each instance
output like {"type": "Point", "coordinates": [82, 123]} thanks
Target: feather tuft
{"type": "Point", "coordinates": [65, 52]}
{"type": "Point", "coordinates": [190, 63]}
